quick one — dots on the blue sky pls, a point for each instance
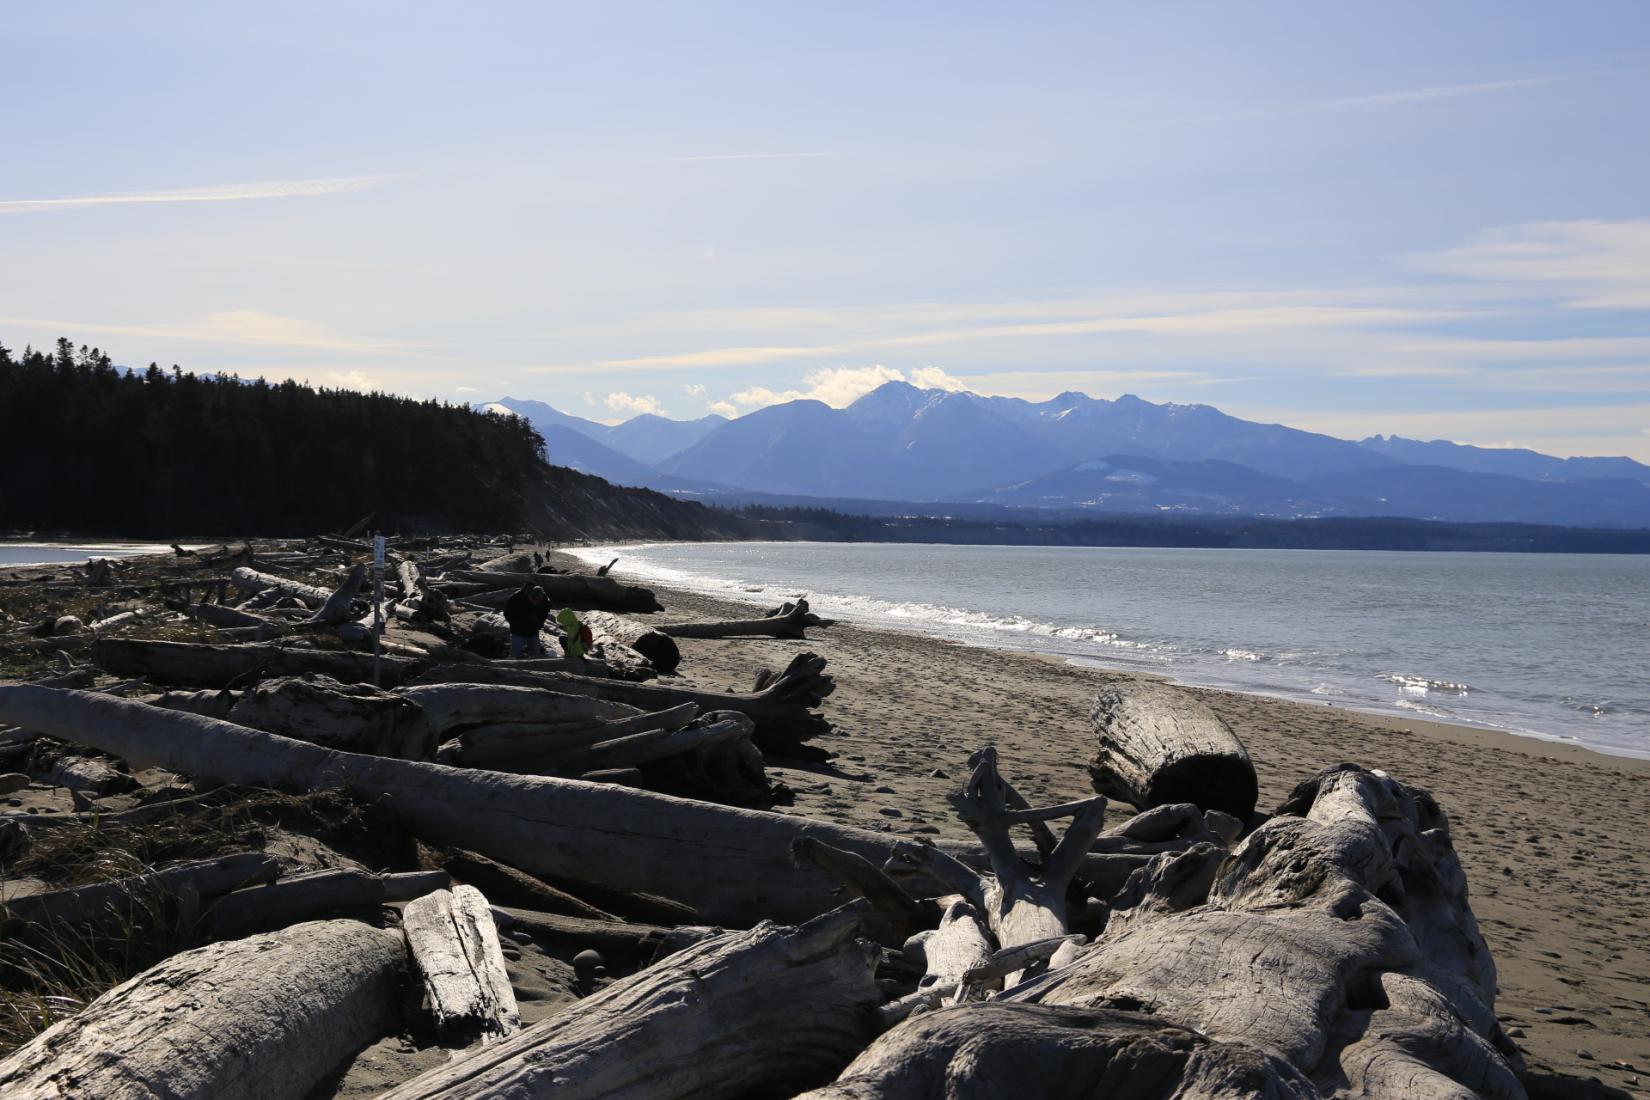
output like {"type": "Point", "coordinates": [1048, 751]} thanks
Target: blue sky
{"type": "Point", "coordinates": [1430, 219]}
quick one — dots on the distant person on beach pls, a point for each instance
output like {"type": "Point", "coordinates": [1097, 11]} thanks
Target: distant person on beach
{"type": "Point", "coordinates": [576, 637]}
{"type": "Point", "coordinates": [526, 612]}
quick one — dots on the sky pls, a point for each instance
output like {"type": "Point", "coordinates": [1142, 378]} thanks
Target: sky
{"type": "Point", "coordinates": [1415, 218]}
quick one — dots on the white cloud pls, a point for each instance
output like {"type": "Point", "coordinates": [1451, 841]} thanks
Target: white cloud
{"type": "Point", "coordinates": [464, 389]}
{"type": "Point", "coordinates": [1591, 264]}
{"type": "Point", "coordinates": [233, 192]}
{"type": "Point", "coordinates": [933, 378]}
{"type": "Point", "coordinates": [724, 408]}
{"type": "Point", "coordinates": [836, 386]}
{"type": "Point", "coordinates": [695, 391]}
{"type": "Point", "coordinates": [626, 404]}
{"type": "Point", "coordinates": [351, 380]}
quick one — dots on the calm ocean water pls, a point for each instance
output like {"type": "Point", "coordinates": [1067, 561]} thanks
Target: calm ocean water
{"type": "Point", "coordinates": [1556, 645]}
{"type": "Point", "coordinates": [53, 553]}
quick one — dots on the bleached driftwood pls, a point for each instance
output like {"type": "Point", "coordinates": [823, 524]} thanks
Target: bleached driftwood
{"type": "Point", "coordinates": [452, 706]}
{"type": "Point", "coordinates": [232, 617]}
{"type": "Point", "coordinates": [625, 944]}
{"type": "Point", "coordinates": [506, 745]}
{"type": "Point", "coordinates": [1336, 937]}
{"type": "Point", "coordinates": [455, 949]}
{"type": "Point", "coordinates": [188, 664]}
{"type": "Point", "coordinates": [730, 864]}
{"type": "Point", "coordinates": [312, 895]}
{"type": "Point", "coordinates": [250, 580]}
{"type": "Point", "coordinates": [782, 707]}
{"type": "Point", "coordinates": [336, 609]}
{"type": "Point", "coordinates": [263, 1018]}
{"type": "Point", "coordinates": [656, 645]}
{"type": "Point", "coordinates": [351, 717]}
{"type": "Point", "coordinates": [1158, 744]}
{"type": "Point", "coordinates": [564, 589]}
{"type": "Point", "coordinates": [116, 899]}
{"type": "Point", "coordinates": [740, 1013]}
{"type": "Point", "coordinates": [996, 1049]}
{"type": "Point", "coordinates": [790, 620]}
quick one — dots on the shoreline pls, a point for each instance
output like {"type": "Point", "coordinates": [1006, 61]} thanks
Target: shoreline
{"type": "Point", "coordinates": [1547, 833]}
{"type": "Point", "coordinates": [1464, 732]}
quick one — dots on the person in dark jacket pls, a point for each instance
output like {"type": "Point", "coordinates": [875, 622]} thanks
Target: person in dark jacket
{"type": "Point", "coordinates": [526, 612]}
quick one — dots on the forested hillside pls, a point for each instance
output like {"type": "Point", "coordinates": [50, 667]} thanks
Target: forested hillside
{"type": "Point", "coordinates": [92, 448]}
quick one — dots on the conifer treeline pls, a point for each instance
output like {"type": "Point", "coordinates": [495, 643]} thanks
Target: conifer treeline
{"type": "Point", "coordinates": [88, 447]}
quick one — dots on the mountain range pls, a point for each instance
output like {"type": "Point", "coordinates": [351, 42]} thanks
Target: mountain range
{"type": "Point", "coordinates": [1079, 455]}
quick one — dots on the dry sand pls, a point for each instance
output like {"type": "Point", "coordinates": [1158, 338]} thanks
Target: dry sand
{"type": "Point", "coordinates": [1552, 836]}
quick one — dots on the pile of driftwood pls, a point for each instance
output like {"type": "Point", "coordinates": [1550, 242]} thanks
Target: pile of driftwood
{"type": "Point", "coordinates": [1197, 949]}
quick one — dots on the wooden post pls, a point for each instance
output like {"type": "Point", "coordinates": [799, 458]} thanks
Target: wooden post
{"type": "Point", "coordinates": [377, 605]}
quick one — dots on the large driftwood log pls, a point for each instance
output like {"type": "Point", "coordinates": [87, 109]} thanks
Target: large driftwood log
{"type": "Point", "coordinates": [188, 664]}
{"type": "Point", "coordinates": [455, 950]}
{"type": "Point", "coordinates": [351, 717]}
{"type": "Point", "coordinates": [1158, 744]}
{"type": "Point", "coordinates": [1337, 937]}
{"type": "Point", "coordinates": [790, 620]}
{"type": "Point", "coordinates": [741, 1013]}
{"type": "Point", "coordinates": [453, 706]}
{"type": "Point", "coordinates": [230, 617]}
{"type": "Point", "coordinates": [250, 580]}
{"type": "Point", "coordinates": [986, 1051]}
{"type": "Point", "coordinates": [502, 744]}
{"type": "Point", "coordinates": [564, 589]}
{"type": "Point", "coordinates": [312, 895]}
{"type": "Point", "coordinates": [263, 1018]}
{"type": "Point", "coordinates": [655, 645]}
{"type": "Point", "coordinates": [782, 708]}
{"type": "Point", "coordinates": [117, 900]}
{"type": "Point", "coordinates": [732, 865]}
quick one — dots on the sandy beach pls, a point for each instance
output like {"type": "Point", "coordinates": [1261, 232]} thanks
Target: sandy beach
{"type": "Point", "coordinates": [1550, 834]}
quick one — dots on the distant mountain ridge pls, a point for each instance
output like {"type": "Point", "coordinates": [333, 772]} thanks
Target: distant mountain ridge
{"type": "Point", "coordinates": [1083, 455]}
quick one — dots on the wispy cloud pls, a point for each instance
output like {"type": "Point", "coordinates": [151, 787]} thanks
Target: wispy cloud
{"type": "Point", "coordinates": [240, 326]}
{"type": "Point", "coordinates": [1595, 264]}
{"type": "Point", "coordinates": [1373, 101]}
{"type": "Point", "coordinates": [1258, 318]}
{"type": "Point", "coordinates": [232, 192]}
{"type": "Point", "coordinates": [747, 156]}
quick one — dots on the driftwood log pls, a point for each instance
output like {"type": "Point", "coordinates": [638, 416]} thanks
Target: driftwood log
{"type": "Point", "coordinates": [309, 896]}
{"type": "Point", "coordinates": [117, 900]}
{"type": "Point", "coordinates": [992, 1050]}
{"type": "Point", "coordinates": [250, 580]}
{"type": "Point", "coordinates": [655, 645]}
{"type": "Point", "coordinates": [1159, 744]}
{"type": "Point", "coordinates": [263, 1018]}
{"type": "Point", "coordinates": [455, 949]}
{"type": "Point", "coordinates": [783, 707]}
{"type": "Point", "coordinates": [564, 589]}
{"type": "Point", "coordinates": [741, 1013]}
{"type": "Point", "coordinates": [1337, 937]}
{"type": "Point", "coordinates": [789, 620]}
{"type": "Point", "coordinates": [732, 865]}
{"type": "Point", "coordinates": [351, 717]}
{"type": "Point", "coordinates": [189, 664]}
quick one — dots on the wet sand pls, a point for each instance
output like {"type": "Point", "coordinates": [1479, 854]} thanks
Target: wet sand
{"type": "Point", "coordinates": [1551, 835]}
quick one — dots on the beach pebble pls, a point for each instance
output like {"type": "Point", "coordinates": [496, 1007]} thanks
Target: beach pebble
{"type": "Point", "coordinates": [889, 811]}
{"type": "Point", "coordinates": [882, 790]}
{"type": "Point", "coordinates": [521, 935]}
{"type": "Point", "coordinates": [14, 801]}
